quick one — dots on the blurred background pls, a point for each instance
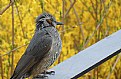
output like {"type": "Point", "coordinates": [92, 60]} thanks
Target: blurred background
{"type": "Point", "coordinates": [85, 23]}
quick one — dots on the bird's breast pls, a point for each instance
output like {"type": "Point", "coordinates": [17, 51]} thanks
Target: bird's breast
{"type": "Point", "coordinates": [53, 53]}
{"type": "Point", "coordinates": [56, 43]}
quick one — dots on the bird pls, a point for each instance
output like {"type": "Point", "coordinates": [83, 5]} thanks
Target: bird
{"type": "Point", "coordinates": [43, 49]}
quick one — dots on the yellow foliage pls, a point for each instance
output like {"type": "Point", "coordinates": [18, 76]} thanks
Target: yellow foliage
{"type": "Point", "coordinates": [79, 24]}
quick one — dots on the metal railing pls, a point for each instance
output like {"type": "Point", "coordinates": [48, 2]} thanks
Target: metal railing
{"type": "Point", "coordinates": [89, 58]}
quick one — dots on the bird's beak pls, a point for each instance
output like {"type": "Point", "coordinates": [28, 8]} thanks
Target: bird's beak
{"type": "Point", "coordinates": [59, 23]}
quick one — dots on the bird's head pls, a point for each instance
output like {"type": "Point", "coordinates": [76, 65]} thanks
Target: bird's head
{"type": "Point", "coordinates": [46, 20]}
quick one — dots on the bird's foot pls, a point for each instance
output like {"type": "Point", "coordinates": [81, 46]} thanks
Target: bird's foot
{"type": "Point", "coordinates": [50, 72]}
{"type": "Point", "coordinates": [44, 75]}
{"type": "Point", "coordinates": [41, 76]}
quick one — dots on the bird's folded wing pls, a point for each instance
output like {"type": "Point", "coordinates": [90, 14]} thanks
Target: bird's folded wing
{"type": "Point", "coordinates": [39, 46]}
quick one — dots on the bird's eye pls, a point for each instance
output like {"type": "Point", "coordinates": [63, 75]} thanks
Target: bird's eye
{"type": "Point", "coordinates": [42, 17]}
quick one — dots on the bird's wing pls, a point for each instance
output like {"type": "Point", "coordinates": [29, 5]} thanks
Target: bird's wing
{"type": "Point", "coordinates": [39, 46]}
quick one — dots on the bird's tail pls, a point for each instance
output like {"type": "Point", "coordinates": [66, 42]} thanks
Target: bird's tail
{"type": "Point", "coordinates": [15, 77]}
{"type": "Point", "coordinates": [12, 77]}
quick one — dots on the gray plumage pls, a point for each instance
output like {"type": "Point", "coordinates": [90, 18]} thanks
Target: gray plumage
{"type": "Point", "coordinates": [43, 49]}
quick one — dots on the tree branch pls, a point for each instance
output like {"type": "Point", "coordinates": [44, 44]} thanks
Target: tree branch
{"type": "Point", "coordinates": [113, 67]}
{"type": "Point", "coordinates": [13, 50]}
{"type": "Point", "coordinates": [1, 12]}
{"type": "Point", "coordinates": [78, 20]}
{"type": "Point", "coordinates": [99, 24]}
{"type": "Point", "coordinates": [72, 4]}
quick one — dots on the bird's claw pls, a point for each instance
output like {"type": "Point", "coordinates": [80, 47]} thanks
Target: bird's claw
{"type": "Point", "coordinates": [44, 75]}
{"type": "Point", "coordinates": [41, 76]}
{"type": "Point", "coordinates": [50, 72]}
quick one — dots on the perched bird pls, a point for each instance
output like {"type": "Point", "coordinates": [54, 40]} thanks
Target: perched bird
{"type": "Point", "coordinates": [43, 49]}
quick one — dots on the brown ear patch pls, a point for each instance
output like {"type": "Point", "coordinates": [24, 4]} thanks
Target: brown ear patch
{"type": "Point", "coordinates": [49, 21]}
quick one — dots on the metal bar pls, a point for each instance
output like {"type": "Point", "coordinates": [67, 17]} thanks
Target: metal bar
{"type": "Point", "coordinates": [89, 58]}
